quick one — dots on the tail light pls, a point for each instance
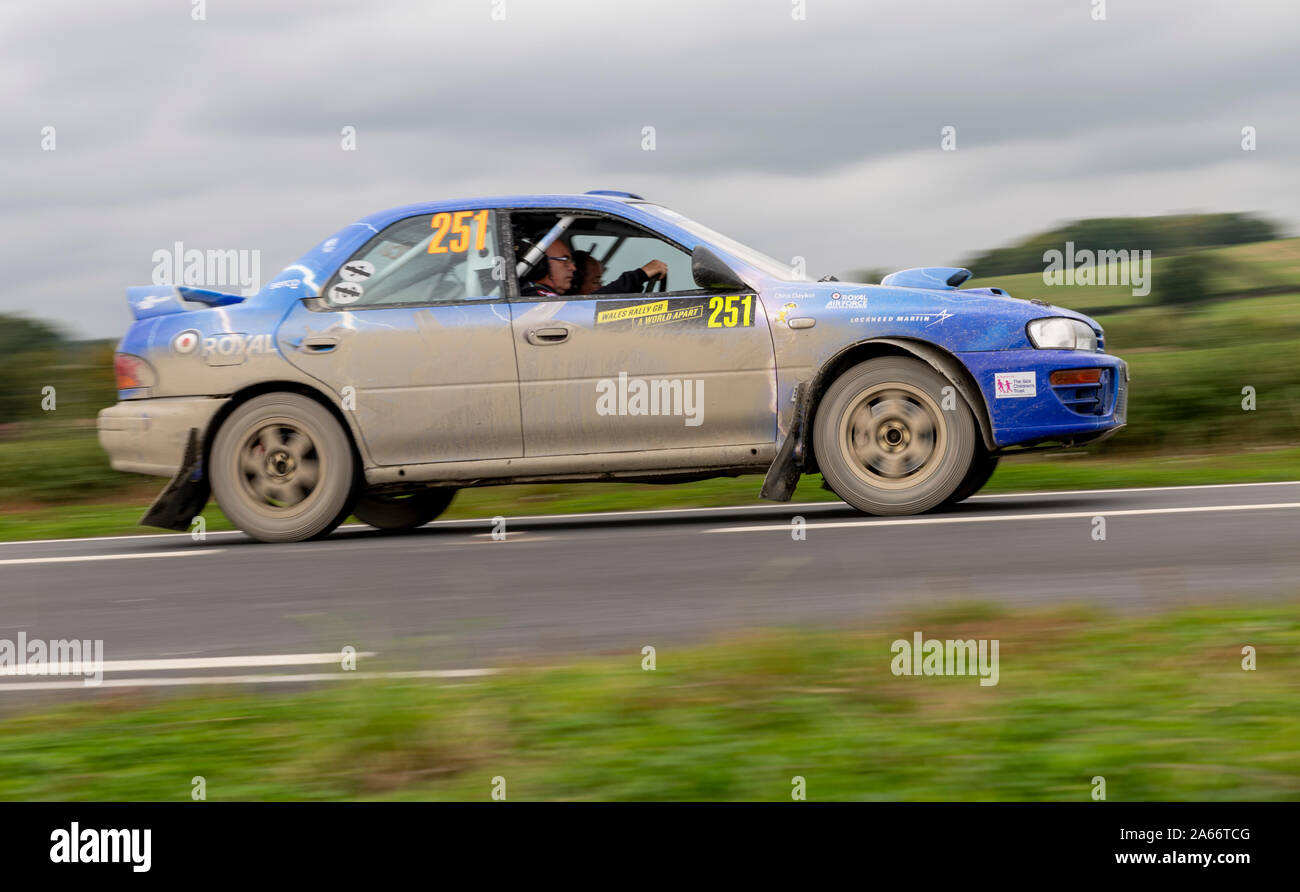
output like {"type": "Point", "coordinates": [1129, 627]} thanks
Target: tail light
{"type": "Point", "coordinates": [132, 372]}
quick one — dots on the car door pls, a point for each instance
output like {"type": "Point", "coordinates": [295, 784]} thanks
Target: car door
{"type": "Point", "coordinates": [413, 335]}
{"type": "Point", "coordinates": [644, 371]}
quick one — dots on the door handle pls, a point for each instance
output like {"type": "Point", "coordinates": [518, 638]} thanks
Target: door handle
{"type": "Point", "coordinates": [543, 336]}
{"type": "Point", "coordinates": [318, 344]}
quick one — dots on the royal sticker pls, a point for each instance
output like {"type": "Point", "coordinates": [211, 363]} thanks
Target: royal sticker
{"type": "Point", "coordinates": [236, 345]}
{"type": "Point", "coordinates": [852, 301]}
{"type": "Point", "coordinates": [1014, 384]}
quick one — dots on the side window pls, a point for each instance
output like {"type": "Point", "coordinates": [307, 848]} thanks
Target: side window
{"type": "Point", "coordinates": [431, 259]}
{"type": "Point", "coordinates": [594, 254]}
{"type": "Point", "coordinates": [619, 253]}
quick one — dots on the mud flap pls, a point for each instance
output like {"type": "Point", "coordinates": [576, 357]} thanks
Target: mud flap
{"type": "Point", "coordinates": [783, 474]}
{"type": "Point", "coordinates": [185, 495]}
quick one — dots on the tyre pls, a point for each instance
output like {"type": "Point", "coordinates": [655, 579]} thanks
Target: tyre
{"type": "Point", "coordinates": [981, 469]}
{"type": "Point", "coordinates": [282, 468]}
{"type": "Point", "coordinates": [884, 444]}
{"type": "Point", "coordinates": [402, 511]}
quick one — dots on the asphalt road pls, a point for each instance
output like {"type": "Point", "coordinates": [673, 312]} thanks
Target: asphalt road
{"type": "Point", "coordinates": [451, 600]}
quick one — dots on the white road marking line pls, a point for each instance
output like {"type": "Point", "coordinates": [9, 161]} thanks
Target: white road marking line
{"type": "Point", "coordinates": [512, 536]}
{"type": "Point", "coordinates": [992, 518]}
{"type": "Point", "coordinates": [112, 557]}
{"type": "Point", "coordinates": [200, 663]}
{"type": "Point", "coordinates": [240, 679]}
{"type": "Point", "coordinates": [776, 506]}
{"type": "Point", "coordinates": [1091, 492]}
{"type": "Point", "coordinates": [487, 521]}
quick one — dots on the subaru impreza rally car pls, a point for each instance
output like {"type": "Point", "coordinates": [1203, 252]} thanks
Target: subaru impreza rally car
{"type": "Point", "coordinates": [405, 357]}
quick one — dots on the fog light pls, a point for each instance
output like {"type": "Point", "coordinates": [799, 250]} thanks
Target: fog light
{"type": "Point", "coordinates": [1075, 377]}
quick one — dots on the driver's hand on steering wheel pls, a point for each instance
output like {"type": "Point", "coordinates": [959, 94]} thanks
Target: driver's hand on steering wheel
{"type": "Point", "coordinates": [655, 269]}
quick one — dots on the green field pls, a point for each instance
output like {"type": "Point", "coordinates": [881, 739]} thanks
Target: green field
{"type": "Point", "coordinates": [1159, 706]}
{"type": "Point", "coordinates": [1238, 269]}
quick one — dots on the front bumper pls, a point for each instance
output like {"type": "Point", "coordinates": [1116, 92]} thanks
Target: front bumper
{"type": "Point", "coordinates": [1049, 413]}
{"type": "Point", "coordinates": [148, 436]}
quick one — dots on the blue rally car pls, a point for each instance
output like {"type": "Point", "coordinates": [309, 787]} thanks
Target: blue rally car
{"type": "Point", "coordinates": [561, 338]}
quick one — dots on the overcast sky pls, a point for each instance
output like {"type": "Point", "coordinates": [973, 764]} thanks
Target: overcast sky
{"type": "Point", "coordinates": [819, 138]}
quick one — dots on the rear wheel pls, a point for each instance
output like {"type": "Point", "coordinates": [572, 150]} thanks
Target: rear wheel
{"type": "Point", "coordinates": [282, 468]}
{"type": "Point", "coordinates": [883, 442]}
{"type": "Point", "coordinates": [402, 511]}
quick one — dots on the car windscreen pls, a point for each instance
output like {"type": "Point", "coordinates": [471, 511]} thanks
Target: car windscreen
{"type": "Point", "coordinates": [757, 259]}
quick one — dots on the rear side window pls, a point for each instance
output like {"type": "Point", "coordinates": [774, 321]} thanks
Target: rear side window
{"type": "Point", "coordinates": [437, 258]}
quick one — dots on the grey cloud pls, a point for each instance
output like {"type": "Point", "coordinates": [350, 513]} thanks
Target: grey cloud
{"type": "Point", "coordinates": [819, 138]}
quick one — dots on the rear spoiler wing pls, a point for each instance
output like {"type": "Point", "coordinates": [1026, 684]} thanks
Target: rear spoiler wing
{"type": "Point", "coordinates": [160, 300]}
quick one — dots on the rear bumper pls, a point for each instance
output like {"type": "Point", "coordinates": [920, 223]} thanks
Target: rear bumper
{"type": "Point", "coordinates": [148, 436]}
{"type": "Point", "coordinates": [1050, 413]}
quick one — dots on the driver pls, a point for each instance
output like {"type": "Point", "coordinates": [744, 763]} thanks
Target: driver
{"type": "Point", "coordinates": [634, 280]}
{"type": "Point", "coordinates": [554, 273]}
{"type": "Point", "coordinates": [557, 274]}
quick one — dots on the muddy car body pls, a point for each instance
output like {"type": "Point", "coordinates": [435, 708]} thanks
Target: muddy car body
{"type": "Point", "coordinates": [401, 358]}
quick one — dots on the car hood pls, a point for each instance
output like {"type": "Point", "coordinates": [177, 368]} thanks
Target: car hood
{"type": "Point", "coordinates": [995, 301]}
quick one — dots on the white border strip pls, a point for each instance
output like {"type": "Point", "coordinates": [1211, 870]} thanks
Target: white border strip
{"type": "Point", "coordinates": [68, 559]}
{"type": "Point", "coordinates": [166, 665]}
{"type": "Point", "coordinates": [1000, 518]}
{"type": "Point", "coordinates": [80, 685]}
{"type": "Point", "coordinates": [775, 506]}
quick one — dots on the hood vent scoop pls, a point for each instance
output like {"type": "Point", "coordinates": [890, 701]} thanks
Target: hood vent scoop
{"type": "Point", "coordinates": [942, 278]}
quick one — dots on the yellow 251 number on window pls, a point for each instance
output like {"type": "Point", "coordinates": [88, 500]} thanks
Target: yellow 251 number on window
{"type": "Point", "coordinates": [460, 231]}
{"type": "Point", "coordinates": [731, 311]}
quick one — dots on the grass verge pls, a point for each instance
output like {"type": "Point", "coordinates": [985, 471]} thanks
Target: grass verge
{"type": "Point", "coordinates": [1159, 706]}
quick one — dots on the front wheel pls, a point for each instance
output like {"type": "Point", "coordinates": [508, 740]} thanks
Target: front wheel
{"type": "Point", "coordinates": [981, 469]}
{"type": "Point", "coordinates": [884, 441]}
{"type": "Point", "coordinates": [402, 511]}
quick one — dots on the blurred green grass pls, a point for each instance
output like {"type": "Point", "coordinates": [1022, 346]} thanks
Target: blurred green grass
{"type": "Point", "coordinates": [1158, 705]}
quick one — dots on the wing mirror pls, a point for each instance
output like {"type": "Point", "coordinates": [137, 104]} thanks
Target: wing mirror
{"type": "Point", "coordinates": [712, 273]}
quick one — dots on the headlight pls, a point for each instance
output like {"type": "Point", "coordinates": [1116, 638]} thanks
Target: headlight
{"type": "Point", "coordinates": [1060, 333]}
